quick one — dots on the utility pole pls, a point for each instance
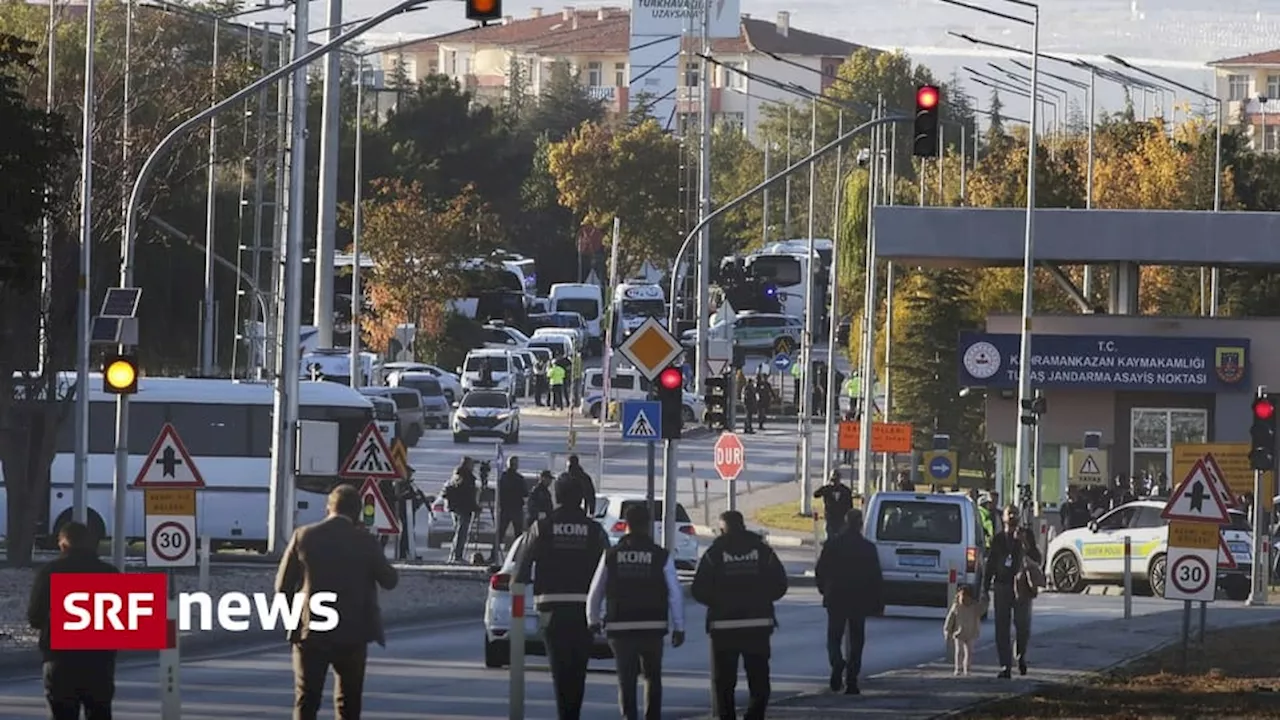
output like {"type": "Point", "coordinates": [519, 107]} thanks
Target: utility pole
{"type": "Point", "coordinates": [805, 401]}
{"type": "Point", "coordinates": [86, 263]}
{"type": "Point", "coordinates": [704, 202]}
{"type": "Point", "coordinates": [210, 223]}
{"type": "Point", "coordinates": [326, 212]}
{"type": "Point", "coordinates": [46, 235]}
{"type": "Point", "coordinates": [357, 222]}
{"type": "Point", "coordinates": [833, 314]}
{"type": "Point", "coordinates": [285, 406]}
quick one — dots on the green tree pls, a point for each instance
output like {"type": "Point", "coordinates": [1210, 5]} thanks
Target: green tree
{"type": "Point", "coordinates": [39, 154]}
{"type": "Point", "coordinates": [562, 106]}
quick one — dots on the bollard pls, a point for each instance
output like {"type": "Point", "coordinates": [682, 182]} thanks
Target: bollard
{"type": "Point", "coordinates": [203, 560]}
{"type": "Point", "coordinates": [1128, 578]}
{"type": "Point", "coordinates": [515, 638]}
{"type": "Point", "coordinates": [170, 682]}
{"type": "Point", "coordinates": [411, 522]}
{"type": "Point", "coordinates": [953, 588]}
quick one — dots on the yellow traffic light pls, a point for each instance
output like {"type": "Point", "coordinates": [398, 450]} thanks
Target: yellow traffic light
{"type": "Point", "coordinates": [120, 375]}
{"type": "Point", "coordinates": [484, 10]}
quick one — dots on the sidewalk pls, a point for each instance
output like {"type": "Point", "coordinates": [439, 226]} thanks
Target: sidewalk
{"type": "Point", "coordinates": [760, 495]}
{"type": "Point", "coordinates": [1065, 656]}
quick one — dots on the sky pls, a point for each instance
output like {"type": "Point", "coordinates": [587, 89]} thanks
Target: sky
{"type": "Point", "coordinates": [1170, 37]}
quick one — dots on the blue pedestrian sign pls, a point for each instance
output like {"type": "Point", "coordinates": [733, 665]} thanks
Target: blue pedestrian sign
{"type": "Point", "coordinates": [642, 420]}
{"type": "Point", "coordinates": [940, 467]}
{"type": "Point", "coordinates": [782, 362]}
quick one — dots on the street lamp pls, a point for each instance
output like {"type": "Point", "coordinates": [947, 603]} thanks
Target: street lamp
{"type": "Point", "coordinates": [1217, 161]}
{"type": "Point", "coordinates": [1022, 455]}
{"type": "Point", "coordinates": [1059, 110]}
{"type": "Point", "coordinates": [1018, 89]}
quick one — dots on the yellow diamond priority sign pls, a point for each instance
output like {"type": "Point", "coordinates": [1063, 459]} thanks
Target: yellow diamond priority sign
{"type": "Point", "coordinates": [650, 348]}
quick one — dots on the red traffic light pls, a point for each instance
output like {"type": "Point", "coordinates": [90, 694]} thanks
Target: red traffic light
{"type": "Point", "coordinates": [927, 97]}
{"type": "Point", "coordinates": [1264, 409]}
{"type": "Point", "coordinates": [671, 378]}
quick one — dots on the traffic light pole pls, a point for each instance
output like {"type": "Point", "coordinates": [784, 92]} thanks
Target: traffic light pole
{"type": "Point", "coordinates": [669, 494]}
{"type": "Point", "coordinates": [1258, 570]}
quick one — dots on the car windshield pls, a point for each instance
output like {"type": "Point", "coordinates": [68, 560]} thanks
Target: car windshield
{"type": "Point", "coordinates": [643, 308]}
{"type": "Point", "coordinates": [568, 320]}
{"type": "Point", "coordinates": [519, 336]}
{"type": "Point", "coordinates": [406, 398]}
{"type": "Point", "coordinates": [486, 400]}
{"type": "Point", "coordinates": [497, 363]}
{"type": "Point", "coordinates": [427, 387]}
{"type": "Point", "coordinates": [554, 349]}
{"type": "Point", "coordinates": [681, 515]}
{"type": "Point", "coordinates": [920, 522]}
{"type": "Point", "coordinates": [586, 307]}
{"type": "Point", "coordinates": [540, 353]}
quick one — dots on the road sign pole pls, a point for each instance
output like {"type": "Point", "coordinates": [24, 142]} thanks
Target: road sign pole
{"type": "Point", "coordinates": [651, 476]}
{"type": "Point", "coordinates": [1186, 632]}
{"type": "Point", "coordinates": [515, 635]}
{"type": "Point", "coordinates": [732, 490]}
{"type": "Point", "coordinates": [1258, 594]}
{"type": "Point", "coordinates": [170, 688]}
{"type": "Point", "coordinates": [669, 491]}
{"type": "Point", "coordinates": [1128, 578]}
{"type": "Point", "coordinates": [1203, 612]}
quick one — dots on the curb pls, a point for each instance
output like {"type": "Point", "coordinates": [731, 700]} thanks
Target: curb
{"type": "Point", "coordinates": [775, 540]}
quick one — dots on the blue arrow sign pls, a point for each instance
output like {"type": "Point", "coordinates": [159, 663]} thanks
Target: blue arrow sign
{"type": "Point", "coordinates": [940, 467]}
{"type": "Point", "coordinates": [782, 361]}
{"type": "Point", "coordinates": [642, 420]}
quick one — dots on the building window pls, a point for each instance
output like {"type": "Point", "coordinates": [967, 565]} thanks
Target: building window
{"type": "Point", "coordinates": [453, 62]}
{"type": "Point", "coordinates": [730, 121]}
{"type": "Point", "coordinates": [466, 65]}
{"type": "Point", "coordinates": [732, 77]}
{"type": "Point", "coordinates": [1237, 87]}
{"type": "Point", "coordinates": [620, 74]}
{"type": "Point", "coordinates": [691, 72]}
{"type": "Point", "coordinates": [594, 74]}
{"type": "Point", "coordinates": [1273, 87]}
{"type": "Point", "coordinates": [1155, 431]}
{"type": "Point", "coordinates": [830, 69]}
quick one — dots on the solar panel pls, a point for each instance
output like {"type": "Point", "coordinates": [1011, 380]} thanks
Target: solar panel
{"type": "Point", "coordinates": [105, 330]}
{"type": "Point", "coordinates": [121, 302]}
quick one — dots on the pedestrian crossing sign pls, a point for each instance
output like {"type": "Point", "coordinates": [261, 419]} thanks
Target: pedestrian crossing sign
{"type": "Point", "coordinates": [641, 420]}
{"type": "Point", "coordinates": [371, 458]}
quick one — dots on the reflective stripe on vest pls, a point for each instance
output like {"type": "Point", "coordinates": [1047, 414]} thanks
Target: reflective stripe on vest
{"type": "Point", "coordinates": [560, 598]}
{"type": "Point", "coordinates": [635, 625]}
{"type": "Point", "coordinates": [741, 624]}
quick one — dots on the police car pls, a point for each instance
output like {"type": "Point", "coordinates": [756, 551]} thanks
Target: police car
{"type": "Point", "coordinates": [1096, 553]}
{"type": "Point", "coordinates": [497, 616]}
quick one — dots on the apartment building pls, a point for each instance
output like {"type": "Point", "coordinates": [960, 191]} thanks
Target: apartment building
{"type": "Point", "coordinates": [595, 42]}
{"type": "Point", "coordinates": [1250, 87]}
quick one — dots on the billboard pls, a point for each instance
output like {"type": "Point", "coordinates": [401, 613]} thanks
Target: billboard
{"type": "Point", "coordinates": [656, 28]}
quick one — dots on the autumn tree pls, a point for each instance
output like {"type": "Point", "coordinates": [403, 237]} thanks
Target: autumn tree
{"type": "Point", "coordinates": [627, 173]}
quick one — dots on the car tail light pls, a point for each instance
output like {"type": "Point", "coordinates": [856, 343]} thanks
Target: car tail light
{"type": "Point", "coordinates": [620, 526]}
{"type": "Point", "coordinates": [687, 530]}
{"type": "Point", "coordinates": [971, 559]}
{"type": "Point", "coordinates": [500, 582]}
{"type": "Point", "coordinates": [438, 507]}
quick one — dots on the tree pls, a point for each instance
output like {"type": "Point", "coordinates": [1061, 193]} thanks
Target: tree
{"type": "Point", "coordinates": [627, 173]}
{"type": "Point", "coordinates": [39, 154]}
{"type": "Point", "coordinates": [563, 105]}
{"type": "Point", "coordinates": [418, 248]}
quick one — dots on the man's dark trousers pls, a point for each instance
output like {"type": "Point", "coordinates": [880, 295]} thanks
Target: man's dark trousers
{"type": "Point", "coordinates": [637, 655]}
{"type": "Point", "coordinates": [754, 652]}
{"type": "Point", "coordinates": [311, 663]}
{"type": "Point", "coordinates": [507, 518]}
{"type": "Point", "coordinates": [1010, 611]}
{"type": "Point", "coordinates": [838, 621]}
{"type": "Point", "coordinates": [75, 682]}
{"type": "Point", "coordinates": [568, 642]}
{"type": "Point", "coordinates": [834, 524]}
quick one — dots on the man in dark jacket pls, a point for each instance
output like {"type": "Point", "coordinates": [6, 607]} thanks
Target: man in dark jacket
{"type": "Point", "coordinates": [739, 578]}
{"type": "Point", "coordinates": [586, 487]}
{"type": "Point", "coordinates": [73, 679]}
{"type": "Point", "coordinates": [1009, 549]}
{"type": "Point", "coordinates": [852, 586]}
{"type": "Point", "coordinates": [540, 504]}
{"type": "Point", "coordinates": [464, 502]}
{"type": "Point", "coordinates": [837, 501]}
{"type": "Point", "coordinates": [335, 555]}
{"type": "Point", "coordinates": [512, 491]}
{"type": "Point", "coordinates": [750, 402]}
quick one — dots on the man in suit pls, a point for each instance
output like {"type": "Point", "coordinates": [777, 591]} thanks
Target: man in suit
{"type": "Point", "coordinates": [335, 555]}
{"type": "Point", "coordinates": [848, 577]}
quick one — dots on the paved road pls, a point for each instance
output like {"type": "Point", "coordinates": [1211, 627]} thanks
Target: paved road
{"type": "Point", "coordinates": [437, 671]}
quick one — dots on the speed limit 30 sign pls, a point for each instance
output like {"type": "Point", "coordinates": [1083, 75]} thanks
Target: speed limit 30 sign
{"type": "Point", "coordinates": [1192, 574]}
{"type": "Point", "coordinates": [171, 541]}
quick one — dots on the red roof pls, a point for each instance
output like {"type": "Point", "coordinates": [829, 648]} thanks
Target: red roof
{"type": "Point", "coordinates": [1268, 57]}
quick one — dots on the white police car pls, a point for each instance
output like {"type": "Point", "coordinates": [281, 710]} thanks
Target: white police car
{"type": "Point", "coordinates": [1095, 554]}
{"type": "Point", "coordinates": [486, 413]}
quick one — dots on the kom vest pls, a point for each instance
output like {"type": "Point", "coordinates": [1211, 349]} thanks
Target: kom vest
{"type": "Point", "coordinates": [566, 550]}
{"type": "Point", "coordinates": [636, 588]}
{"type": "Point", "coordinates": [741, 602]}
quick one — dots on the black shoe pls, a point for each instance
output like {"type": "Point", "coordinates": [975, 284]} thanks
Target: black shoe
{"type": "Point", "coordinates": [1022, 667]}
{"type": "Point", "coordinates": [851, 686]}
{"type": "Point", "coordinates": [836, 674]}
{"type": "Point", "coordinates": [1004, 674]}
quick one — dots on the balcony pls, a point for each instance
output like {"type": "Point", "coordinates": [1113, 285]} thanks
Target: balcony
{"type": "Point", "coordinates": [1252, 108]}
{"type": "Point", "coordinates": [689, 99]}
{"type": "Point", "coordinates": [614, 99]}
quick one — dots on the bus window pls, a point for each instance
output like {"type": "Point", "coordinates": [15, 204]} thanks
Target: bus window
{"type": "Point", "coordinates": [212, 430]}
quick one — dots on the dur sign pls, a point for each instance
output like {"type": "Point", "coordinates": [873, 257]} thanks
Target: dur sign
{"type": "Point", "coordinates": [1107, 362]}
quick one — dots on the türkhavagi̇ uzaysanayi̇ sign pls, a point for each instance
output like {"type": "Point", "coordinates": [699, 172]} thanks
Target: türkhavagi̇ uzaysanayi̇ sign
{"type": "Point", "coordinates": [661, 17]}
{"type": "Point", "coordinates": [1106, 362]}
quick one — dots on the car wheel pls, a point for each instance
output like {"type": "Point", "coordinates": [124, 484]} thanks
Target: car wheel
{"type": "Point", "coordinates": [1237, 588]}
{"type": "Point", "coordinates": [595, 411]}
{"type": "Point", "coordinates": [497, 653]}
{"type": "Point", "coordinates": [415, 434]}
{"type": "Point", "coordinates": [514, 438]}
{"type": "Point", "coordinates": [1156, 575]}
{"type": "Point", "coordinates": [460, 438]}
{"type": "Point", "coordinates": [1066, 573]}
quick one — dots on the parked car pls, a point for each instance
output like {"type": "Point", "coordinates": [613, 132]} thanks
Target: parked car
{"type": "Point", "coordinates": [497, 617]}
{"type": "Point", "coordinates": [487, 413]}
{"type": "Point", "coordinates": [449, 382]}
{"type": "Point", "coordinates": [503, 336]}
{"type": "Point", "coordinates": [411, 420]}
{"type": "Point", "coordinates": [628, 384]}
{"type": "Point", "coordinates": [755, 332]}
{"type": "Point", "coordinates": [557, 345]}
{"type": "Point", "coordinates": [611, 509]}
{"type": "Point", "coordinates": [435, 405]}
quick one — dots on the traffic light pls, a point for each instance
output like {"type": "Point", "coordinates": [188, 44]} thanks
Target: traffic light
{"type": "Point", "coordinates": [1033, 408]}
{"type": "Point", "coordinates": [926, 128]}
{"type": "Point", "coordinates": [484, 10]}
{"type": "Point", "coordinates": [671, 397]}
{"type": "Point", "coordinates": [1262, 454]}
{"type": "Point", "coordinates": [120, 375]}
{"type": "Point", "coordinates": [716, 398]}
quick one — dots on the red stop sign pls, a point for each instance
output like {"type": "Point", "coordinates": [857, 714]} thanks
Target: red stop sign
{"type": "Point", "coordinates": [731, 457]}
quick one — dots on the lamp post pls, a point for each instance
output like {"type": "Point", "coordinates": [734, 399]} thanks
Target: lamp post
{"type": "Point", "coordinates": [1021, 90]}
{"type": "Point", "coordinates": [1217, 159]}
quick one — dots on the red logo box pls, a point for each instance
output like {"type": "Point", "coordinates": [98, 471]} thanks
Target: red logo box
{"type": "Point", "coordinates": [108, 611]}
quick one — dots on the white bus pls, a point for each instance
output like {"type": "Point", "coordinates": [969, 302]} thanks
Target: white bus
{"type": "Point", "coordinates": [633, 303]}
{"type": "Point", "coordinates": [226, 426]}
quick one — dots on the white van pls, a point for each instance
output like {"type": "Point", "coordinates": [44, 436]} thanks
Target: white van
{"type": "Point", "coordinates": [634, 303]}
{"type": "Point", "coordinates": [586, 300]}
{"type": "Point", "coordinates": [502, 365]}
{"type": "Point", "coordinates": [627, 384]}
{"type": "Point", "coordinates": [559, 345]}
{"type": "Point", "coordinates": [920, 538]}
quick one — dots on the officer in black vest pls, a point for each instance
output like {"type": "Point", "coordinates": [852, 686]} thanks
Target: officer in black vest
{"type": "Point", "coordinates": [739, 579]}
{"type": "Point", "coordinates": [565, 547]}
{"type": "Point", "coordinates": [637, 582]}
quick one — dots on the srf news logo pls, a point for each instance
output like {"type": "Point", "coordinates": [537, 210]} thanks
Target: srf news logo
{"type": "Point", "coordinates": [117, 611]}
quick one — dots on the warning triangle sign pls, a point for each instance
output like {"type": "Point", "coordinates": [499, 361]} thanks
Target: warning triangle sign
{"type": "Point", "coordinates": [641, 427]}
{"type": "Point", "coordinates": [1089, 466]}
{"type": "Point", "coordinates": [1220, 481]}
{"type": "Point", "coordinates": [1225, 558]}
{"type": "Point", "coordinates": [168, 465]}
{"type": "Point", "coordinates": [371, 458]}
{"type": "Point", "coordinates": [1198, 498]}
{"type": "Point", "coordinates": [375, 512]}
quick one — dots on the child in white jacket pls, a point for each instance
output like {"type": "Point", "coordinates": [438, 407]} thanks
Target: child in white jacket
{"type": "Point", "coordinates": [962, 626]}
